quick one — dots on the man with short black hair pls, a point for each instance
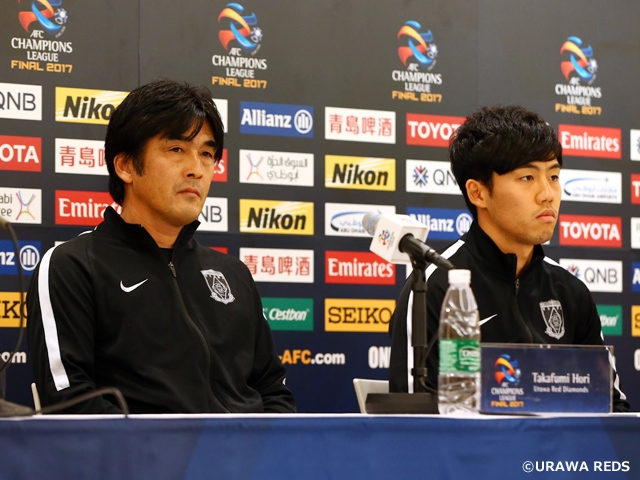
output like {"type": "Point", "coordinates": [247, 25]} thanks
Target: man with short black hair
{"type": "Point", "coordinates": [507, 162]}
{"type": "Point", "coordinates": [138, 304]}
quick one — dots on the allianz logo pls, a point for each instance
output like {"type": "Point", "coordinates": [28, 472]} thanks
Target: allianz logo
{"type": "Point", "coordinates": [302, 121]}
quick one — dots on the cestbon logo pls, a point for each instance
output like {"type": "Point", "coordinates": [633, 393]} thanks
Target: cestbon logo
{"type": "Point", "coordinates": [591, 186]}
{"type": "Point", "coordinates": [28, 256]}
{"type": "Point", "coordinates": [360, 173]}
{"type": "Point", "coordinates": [507, 370]}
{"type": "Point", "coordinates": [591, 231]}
{"type": "Point", "coordinates": [20, 102]}
{"type": "Point", "coordinates": [345, 219]}
{"type": "Point", "coordinates": [276, 119]}
{"type": "Point", "coordinates": [289, 313]}
{"type": "Point", "coordinates": [443, 223]}
{"type": "Point", "coordinates": [610, 319]}
{"type": "Point", "coordinates": [359, 268]}
{"type": "Point", "coordinates": [20, 153]}
{"type": "Point", "coordinates": [357, 315]}
{"type": "Point", "coordinates": [634, 137]}
{"type": "Point", "coordinates": [82, 105]}
{"type": "Point", "coordinates": [276, 216]}
{"type": "Point", "coordinates": [597, 275]}
{"type": "Point", "coordinates": [596, 142]}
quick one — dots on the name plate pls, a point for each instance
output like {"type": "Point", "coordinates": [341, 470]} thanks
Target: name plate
{"type": "Point", "coordinates": [526, 378]}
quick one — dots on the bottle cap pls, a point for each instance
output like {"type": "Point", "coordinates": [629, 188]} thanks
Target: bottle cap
{"type": "Point", "coordinates": [459, 276]}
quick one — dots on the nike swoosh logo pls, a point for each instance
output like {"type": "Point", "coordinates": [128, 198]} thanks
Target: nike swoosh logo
{"type": "Point", "coordinates": [132, 287]}
{"type": "Point", "coordinates": [485, 320]}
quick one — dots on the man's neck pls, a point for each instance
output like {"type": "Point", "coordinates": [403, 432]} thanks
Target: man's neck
{"type": "Point", "coordinates": [523, 253]}
{"type": "Point", "coordinates": [165, 236]}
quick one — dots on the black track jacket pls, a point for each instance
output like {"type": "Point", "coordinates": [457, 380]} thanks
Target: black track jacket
{"type": "Point", "coordinates": [514, 305]}
{"type": "Point", "coordinates": [107, 309]}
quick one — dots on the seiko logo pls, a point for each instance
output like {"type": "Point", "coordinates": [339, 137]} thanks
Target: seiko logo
{"type": "Point", "coordinates": [590, 231]}
{"type": "Point", "coordinates": [358, 315]}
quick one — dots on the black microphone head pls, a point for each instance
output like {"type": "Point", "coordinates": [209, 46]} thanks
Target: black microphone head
{"type": "Point", "coordinates": [370, 222]}
{"type": "Point", "coordinates": [4, 223]}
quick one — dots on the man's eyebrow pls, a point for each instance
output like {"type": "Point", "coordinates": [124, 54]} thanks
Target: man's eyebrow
{"type": "Point", "coordinates": [555, 165]}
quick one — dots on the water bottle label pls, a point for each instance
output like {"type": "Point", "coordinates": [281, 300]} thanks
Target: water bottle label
{"type": "Point", "coordinates": [459, 356]}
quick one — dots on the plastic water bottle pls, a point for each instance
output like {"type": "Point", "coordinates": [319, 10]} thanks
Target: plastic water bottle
{"type": "Point", "coordinates": [459, 345]}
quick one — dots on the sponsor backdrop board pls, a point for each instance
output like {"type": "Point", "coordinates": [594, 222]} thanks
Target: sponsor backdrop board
{"type": "Point", "coordinates": [329, 114]}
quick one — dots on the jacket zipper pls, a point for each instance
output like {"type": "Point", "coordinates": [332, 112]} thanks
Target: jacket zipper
{"type": "Point", "coordinates": [186, 314]}
{"type": "Point", "coordinates": [526, 326]}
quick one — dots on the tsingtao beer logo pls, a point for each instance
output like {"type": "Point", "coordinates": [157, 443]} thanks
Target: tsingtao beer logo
{"type": "Point", "coordinates": [41, 23]}
{"type": "Point", "coordinates": [241, 38]}
{"type": "Point", "coordinates": [418, 54]}
{"type": "Point", "coordinates": [578, 66]}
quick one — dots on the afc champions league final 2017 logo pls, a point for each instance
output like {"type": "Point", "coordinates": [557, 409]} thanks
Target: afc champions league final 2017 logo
{"type": "Point", "coordinates": [578, 67]}
{"type": "Point", "coordinates": [42, 11]}
{"type": "Point", "coordinates": [242, 29]}
{"type": "Point", "coordinates": [420, 46]}
{"type": "Point", "coordinates": [507, 370]}
{"type": "Point", "coordinates": [418, 54]}
{"type": "Point", "coordinates": [241, 37]}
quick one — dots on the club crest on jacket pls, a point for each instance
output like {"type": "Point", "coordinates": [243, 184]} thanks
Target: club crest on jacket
{"type": "Point", "coordinates": [552, 314]}
{"type": "Point", "coordinates": [218, 286]}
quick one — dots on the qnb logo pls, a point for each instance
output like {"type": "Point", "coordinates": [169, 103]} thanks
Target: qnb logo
{"type": "Point", "coordinates": [419, 46]}
{"type": "Point", "coordinates": [242, 28]}
{"type": "Point", "coordinates": [599, 142]}
{"type": "Point", "coordinates": [590, 231]}
{"type": "Point", "coordinates": [431, 130]}
{"type": "Point", "coordinates": [42, 11]}
{"type": "Point", "coordinates": [598, 275]}
{"type": "Point", "coordinates": [21, 102]}
{"type": "Point", "coordinates": [580, 62]}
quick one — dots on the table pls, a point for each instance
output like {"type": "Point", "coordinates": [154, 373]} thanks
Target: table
{"type": "Point", "coordinates": [319, 447]}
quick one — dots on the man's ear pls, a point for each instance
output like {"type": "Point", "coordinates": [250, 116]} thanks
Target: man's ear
{"type": "Point", "coordinates": [123, 165]}
{"type": "Point", "coordinates": [477, 192]}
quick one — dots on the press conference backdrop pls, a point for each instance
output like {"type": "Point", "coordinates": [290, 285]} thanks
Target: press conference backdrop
{"type": "Point", "coordinates": [332, 109]}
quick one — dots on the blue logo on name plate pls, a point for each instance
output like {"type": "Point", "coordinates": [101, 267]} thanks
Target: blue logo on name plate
{"type": "Point", "coordinates": [276, 119]}
{"type": "Point", "coordinates": [29, 255]}
{"type": "Point", "coordinates": [443, 223]}
{"type": "Point", "coordinates": [635, 279]}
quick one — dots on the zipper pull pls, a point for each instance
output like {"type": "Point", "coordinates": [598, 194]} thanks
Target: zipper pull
{"type": "Point", "coordinates": [517, 285]}
{"type": "Point", "coordinates": [173, 270]}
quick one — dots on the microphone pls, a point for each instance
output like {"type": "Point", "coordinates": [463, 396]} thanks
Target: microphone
{"type": "Point", "coordinates": [4, 223]}
{"type": "Point", "coordinates": [396, 237]}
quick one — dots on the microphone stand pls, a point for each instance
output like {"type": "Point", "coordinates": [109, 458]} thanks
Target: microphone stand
{"type": "Point", "coordinates": [420, 401]}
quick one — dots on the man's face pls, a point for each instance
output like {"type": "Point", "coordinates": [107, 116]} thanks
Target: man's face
{"type": "Point", "coordinates": [521, 210]}
{"type": "Point", "coordinates": [175, 181]}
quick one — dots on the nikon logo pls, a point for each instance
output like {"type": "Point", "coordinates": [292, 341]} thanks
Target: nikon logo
{"type": "Point", "coordinates": [289, 313]}
{"type": "Point", "coordinates": [10, 309]}
{"type": "Point", "coordinates": [357, 315]}
{"type": "Point", "coordinates": [81, 105]}
{"type": "Point", "coordinates": [360, 173]}
{"type": "Point", "coordinates": [264, 216]}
